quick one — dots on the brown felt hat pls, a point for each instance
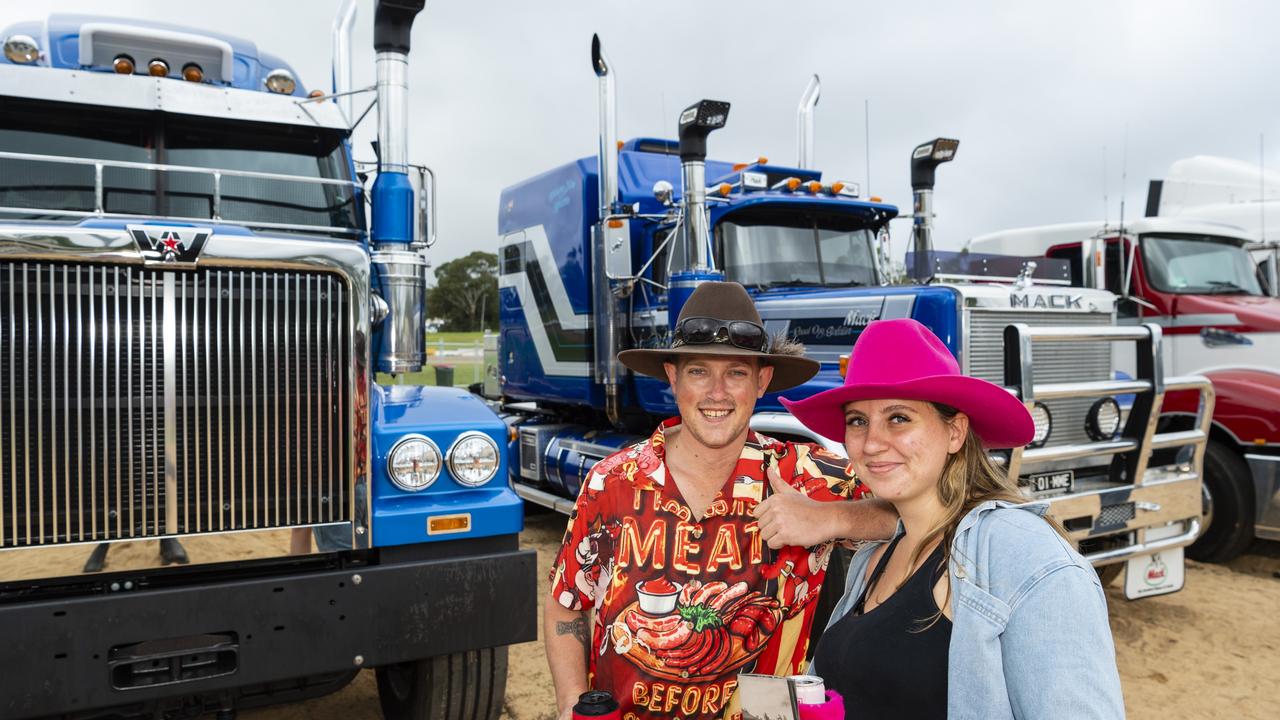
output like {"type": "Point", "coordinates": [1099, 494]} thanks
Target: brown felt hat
{"type": "Point", "coordinates": [726, 301]}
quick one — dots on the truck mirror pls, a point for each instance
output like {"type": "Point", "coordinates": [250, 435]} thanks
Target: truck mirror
{"type": "Point", "coordinates": [1266, 271]}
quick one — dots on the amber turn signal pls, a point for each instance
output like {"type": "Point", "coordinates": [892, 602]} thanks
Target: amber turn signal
{"type": "Point", "coordinates": [192, 72]}
{"type": "Point", "coordinates": [123, 64]}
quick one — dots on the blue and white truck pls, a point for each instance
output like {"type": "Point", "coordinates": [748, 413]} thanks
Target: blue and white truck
{"type": "Point", "coordinates": [598, 255]}
{"type": "Point", "coordinates": [207, 502]}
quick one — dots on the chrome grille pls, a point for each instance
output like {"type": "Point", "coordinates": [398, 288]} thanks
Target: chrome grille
{"type": "Point", "coordinates": [1055, 362]}
{"type": "Point", "coordinates": [137, 402]}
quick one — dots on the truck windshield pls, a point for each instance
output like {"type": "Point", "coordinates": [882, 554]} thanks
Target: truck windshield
{"type": "Point", "coordinates": [282, 186]}
{"type": "Point", "coordinates": [1200, 265]}
{"type": "Point", "coordinates": [823, 250]}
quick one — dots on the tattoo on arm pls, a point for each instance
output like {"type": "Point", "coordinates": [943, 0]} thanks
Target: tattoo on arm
{"type": "Point", "coordinates": [577, 628]}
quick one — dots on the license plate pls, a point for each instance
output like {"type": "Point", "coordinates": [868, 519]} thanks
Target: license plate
{"type": "Point", "coordinates": [1155, 574]}
{"type": "Point", "coordinates": [1061, 481]}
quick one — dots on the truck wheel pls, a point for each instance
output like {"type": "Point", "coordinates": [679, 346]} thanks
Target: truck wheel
{"type": "Point", "coordinates": [1228, 506]}
{"type": "Point", "coordinates": [460, 686]}
{"type": "Point", "coordinates": [1107, 574]}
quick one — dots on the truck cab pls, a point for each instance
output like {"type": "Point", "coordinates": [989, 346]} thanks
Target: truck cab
{"type": "Point", "coordinates": [207, 500]}
{"type": "Point", "coordinates": [1198, 280]}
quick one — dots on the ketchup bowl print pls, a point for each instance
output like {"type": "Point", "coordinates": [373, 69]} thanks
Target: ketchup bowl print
{"type": "Point", "coordinates": [658, 597]}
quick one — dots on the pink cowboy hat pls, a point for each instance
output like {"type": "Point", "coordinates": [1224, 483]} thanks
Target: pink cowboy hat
{"type": "Point", "coordinates": [902, 359]}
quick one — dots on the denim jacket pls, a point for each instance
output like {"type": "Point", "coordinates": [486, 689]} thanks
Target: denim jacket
{"type": "Point", "coordinates": [1029, 636]}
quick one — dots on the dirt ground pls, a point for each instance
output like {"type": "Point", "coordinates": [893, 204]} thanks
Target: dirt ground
{"type": "Point", "coordinates": [1209, 651]}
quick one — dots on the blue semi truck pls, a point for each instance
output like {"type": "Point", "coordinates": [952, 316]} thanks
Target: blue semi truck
{"type": "Point", "coordinates": [598, 255]}
{"type": "Point", "coordinates": [207, 503]}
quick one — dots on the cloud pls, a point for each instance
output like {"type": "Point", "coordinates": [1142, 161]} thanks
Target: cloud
{"type": "Point", "coordinates": [1051, 102]}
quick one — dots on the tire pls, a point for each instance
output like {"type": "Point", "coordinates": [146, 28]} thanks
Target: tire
{"type": "Point", "coordinates": [1229, 506]}
{"type": "Point", "coordinates": [1107, 574]}
{"type": "Point", "coordinates": [461, 686]}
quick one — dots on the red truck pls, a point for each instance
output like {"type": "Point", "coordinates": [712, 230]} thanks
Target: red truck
{"type": "Point", "coordinates": [1198, 280]}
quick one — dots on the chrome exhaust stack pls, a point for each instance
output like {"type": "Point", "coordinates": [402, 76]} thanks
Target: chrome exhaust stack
{"type": "Point", "coordinates": [925, 160]}
{"type": "Point", "coordinates": [342, 26]}
{"type": "Point", "coordinates": [804, 122]}
{"type": "Point", "coordinates": [605, 262]}
{"type": "Point", "coordinates": [400, 266]}
{"type": "Point", "coordinates": [608, 153]}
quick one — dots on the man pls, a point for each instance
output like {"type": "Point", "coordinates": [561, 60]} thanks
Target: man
{"type": "Point", "coordinates": [672, 542]}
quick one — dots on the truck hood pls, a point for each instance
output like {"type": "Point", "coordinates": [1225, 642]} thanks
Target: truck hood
{"type": "Point", "coordinates": [1240, 313]}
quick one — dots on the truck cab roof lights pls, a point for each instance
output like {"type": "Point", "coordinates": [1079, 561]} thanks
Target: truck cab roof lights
{"type": "Point", "coordinates": [192, 72]}
{"type": "Point", "coordinates": [158, 68]}
{"type": "Point", "coordinates": [723, 189]}
{"type": "Point", "coordinates": [813, 186]}
{"type": "Point", "coordinates": [845, 189]}
{"type": "Point", "coordinates": [762, 160]}
{"type": "Point", "coordinates": [280, 81]}
{"type": "Point", "coordinates": [123, 64]}
{"type": "Point", "coordinates": [21, 49]}
{"type": "Point", "coordinates": [101, 42]}
{"type": "Point", "coordinates": [790, 184]}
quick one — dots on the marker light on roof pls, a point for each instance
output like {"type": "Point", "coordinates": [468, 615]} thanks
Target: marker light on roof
{"type": "Point", "coordinates": [846, 189]}
{"type": "Point", "coordinates": [281, 81]}
{"type": "Point", "coordinates": [789, 184]}
{"type": "Point", "coordinates": [123, 64]}
{"type": "Point", "coordinates": [813, 186]}
{"type": "Point", "coordinates": [755, 181]}
{"type": "Point", "coordinates": [157, 68]}
{"type": "Point", "coordinates": [192, 72]}
{"type": "Point", "coordinates": [21, 49]}
{"type": "Point", "coordinates": [724, 189]}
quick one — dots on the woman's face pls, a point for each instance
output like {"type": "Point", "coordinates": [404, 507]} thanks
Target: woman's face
{"type": "Point", "coordinates": [899, 447]}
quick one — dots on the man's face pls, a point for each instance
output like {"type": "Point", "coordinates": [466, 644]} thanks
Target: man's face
{"type": "Point", "coordinates": [716, 395]}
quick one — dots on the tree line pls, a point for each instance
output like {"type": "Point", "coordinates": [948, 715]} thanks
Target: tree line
{"type": "Point", "coordinates": [466, 293]}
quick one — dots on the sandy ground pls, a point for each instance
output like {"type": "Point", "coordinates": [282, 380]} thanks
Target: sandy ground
{"type": "Point", "coordinates": [1209, 651]}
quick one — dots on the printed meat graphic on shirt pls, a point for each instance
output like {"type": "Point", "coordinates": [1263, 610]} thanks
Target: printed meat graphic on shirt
{"type": "Point", "coordinates": [709, 629]}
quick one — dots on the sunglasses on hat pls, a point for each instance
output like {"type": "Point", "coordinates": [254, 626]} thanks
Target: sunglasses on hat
{"type": "Point", "coordinates": [705, 331]}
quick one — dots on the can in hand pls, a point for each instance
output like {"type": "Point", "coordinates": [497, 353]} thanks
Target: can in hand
{"type": "Point", "coordinates": [810, 690]}
{"type": "Point", "coordinates": [596, 705]}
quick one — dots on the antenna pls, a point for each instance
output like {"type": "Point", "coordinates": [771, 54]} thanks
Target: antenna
{"type": "Point", "coordinates": [1106, 217]}
{"type": "Point", "coordinates": [866, 125]}
{"type": "Point", "coordinates": [1262, 189]}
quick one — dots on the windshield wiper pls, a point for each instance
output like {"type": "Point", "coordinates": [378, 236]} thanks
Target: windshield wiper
{"type": "Point", "coordinates": [1225, 287]}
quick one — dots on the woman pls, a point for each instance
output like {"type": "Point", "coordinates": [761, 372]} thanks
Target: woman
{"type": "Point", "coordinates": [978, 607]}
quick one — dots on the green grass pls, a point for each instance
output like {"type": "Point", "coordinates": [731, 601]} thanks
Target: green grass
{"type": "Point", "coordinates": [465, 370]}
{"type": "Point", "coordinates": [455, 337]}
{"type": "Point", "coordinates": [463, 374]}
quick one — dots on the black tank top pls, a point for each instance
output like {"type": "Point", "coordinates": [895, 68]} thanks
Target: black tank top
{"type": "Point", "coordinates": [891, 662]}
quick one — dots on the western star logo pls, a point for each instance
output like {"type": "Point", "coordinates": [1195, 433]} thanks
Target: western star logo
{"type": "Point", "coordinates": [169, 244]}
{"type": "Point", "coordinates": [1046, 302]}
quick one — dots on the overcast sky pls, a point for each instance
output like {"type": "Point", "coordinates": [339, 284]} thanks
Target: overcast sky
{"type": "Point", "coordinates": [1043, 96]}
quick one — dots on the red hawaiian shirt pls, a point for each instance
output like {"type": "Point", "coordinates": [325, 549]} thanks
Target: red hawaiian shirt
{"type": "Point", "coordinates": [682, 605]}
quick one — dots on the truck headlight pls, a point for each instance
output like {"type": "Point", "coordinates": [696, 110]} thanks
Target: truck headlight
{"type": "Point", "coordinates": [280, 81]}
{"type": "Point", "coordinates": [473, 459]}
{"type": "Point", "coordinates": [414, 463]}
{"type": "Point", "coordinates": [1103, 420]}
{"type": "Point", "coordinates": [1044, 425]}
{"type": "Point", "coordinates": [21, 49]}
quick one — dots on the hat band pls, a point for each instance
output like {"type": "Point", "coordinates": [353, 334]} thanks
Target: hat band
{"type": "Point", "coordinates": [742, 334]}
